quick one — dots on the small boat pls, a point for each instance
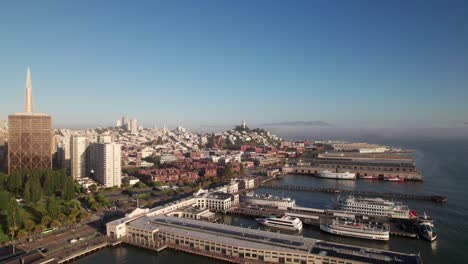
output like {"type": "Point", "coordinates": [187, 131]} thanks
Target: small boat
{"type": "Point", "coordinates": [426, 228]}
{"type": "Point", "coordinates": [282, 222]}
{"type": "Point", "coordinates": [395, 179]}
{"type": "Point", "coordinates": [350, 228]}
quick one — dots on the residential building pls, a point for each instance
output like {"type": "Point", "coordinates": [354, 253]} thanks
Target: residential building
{"type": "Point", "coordinates": [78, 153]}
{"type": "Point", "coordinates": [108, 164]}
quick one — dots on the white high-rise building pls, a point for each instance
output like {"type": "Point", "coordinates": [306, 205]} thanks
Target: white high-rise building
{"type": "Point", "coordinates": [107, 164]}
{"type": "Point", "coordinates": [79, 145]}
{"type": "Point", "coordinates": [133, 126]}
{"type": "Point", "coordinates": [118, 123]}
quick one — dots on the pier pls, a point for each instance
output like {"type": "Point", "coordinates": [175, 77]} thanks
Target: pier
{"type": "Point", "coordinates": [422, 197]}
{"type": "Point", "coordinates": [244, 245]}
{"type": "Point", "coordinates": [401, 228]}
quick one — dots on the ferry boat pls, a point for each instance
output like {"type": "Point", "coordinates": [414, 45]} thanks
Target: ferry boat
{"type": "Point", "coordinates": [282, 222]}
{"type": "Point", "coordinates": [371, 230]}
{"type": "Point", "coordinates": [375, 207]}
{"type": "Point", "coordinates": [337, 175]}
{"type": "Point", "coordinates": [269, 200]}
{"type": "Point", "coordinates": [395, 179]}
{"type": "Point", "coordinates": [426, 228]}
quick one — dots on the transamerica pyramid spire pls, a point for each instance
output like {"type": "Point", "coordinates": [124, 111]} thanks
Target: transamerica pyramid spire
{"type": "Point", "coordinates": [28, 101]}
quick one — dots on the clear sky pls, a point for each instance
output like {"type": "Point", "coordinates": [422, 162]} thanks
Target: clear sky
{"type": "Point", "coordinates": [209, 64]}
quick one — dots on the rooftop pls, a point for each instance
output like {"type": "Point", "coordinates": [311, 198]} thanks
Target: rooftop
{"type": "Point", "coordinates": [252, 238]}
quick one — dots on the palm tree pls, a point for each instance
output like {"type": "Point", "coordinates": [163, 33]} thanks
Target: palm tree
{"type": "Point", "coordinates": [29, 225]}
{"type": "Point", "coordinates": [55, 224]}
{"type": "Point", "coordinates": [45, 221]}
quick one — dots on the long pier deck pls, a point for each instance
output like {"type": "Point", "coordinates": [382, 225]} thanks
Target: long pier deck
{"type": "Point", "coordinates": [422, 197]}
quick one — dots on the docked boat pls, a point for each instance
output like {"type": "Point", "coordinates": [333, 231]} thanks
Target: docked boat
{"type": "Point", "coordinates": [394, 179]}
{"type": "Point", "coordinates": [375, 207]}
{"type": "Point", "coordinates": [371, 230]}
{"type": "Point", "coordinates": [282, 222]}
{"type": "Point", "coordinates": [337, 175]}
{"type": "Point", "coordinates": [369, 177]}
{"type": "Point", "coordinates": [269, 200]}
{"type": "Point", "coordinates": [426, 228]}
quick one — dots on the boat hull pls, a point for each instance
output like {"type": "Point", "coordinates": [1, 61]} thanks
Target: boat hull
{"type": "Point", "coordinates": [349, 233]}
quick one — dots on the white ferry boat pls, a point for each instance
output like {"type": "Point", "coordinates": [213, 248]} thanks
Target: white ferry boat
{"type": "Point", "coordinates": [375, 207]}
{"type": "Point", "coordinates": [336, 175]}
{"type": "Point", "coordinates": [269, 200]}
{"type": "Point", "coordinates": [426, 228]}
{"type": "Point", "coordinates": [282, 222]}
{"type": "Point", "coordinates": [372, 230]}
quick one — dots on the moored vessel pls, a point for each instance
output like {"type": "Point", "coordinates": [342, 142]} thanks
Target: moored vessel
{"type": "Point", "coordinates": [336, 175]}
{"type": "Point", "coordinates": [269, 200]}
{"type": "Point", "coordinates": [375, 207]}
{"type": "Point", "coordinates": [426, 228]}
{"type": "Point", "coordinates": [282, 222]}
{"type": "Point", "coordinates": [369, 177]}
{"type": "Point", "coordinates": [351, 228]}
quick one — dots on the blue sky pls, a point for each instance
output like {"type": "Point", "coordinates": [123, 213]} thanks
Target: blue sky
{"type": "Point", "coordinates": [207, 64]}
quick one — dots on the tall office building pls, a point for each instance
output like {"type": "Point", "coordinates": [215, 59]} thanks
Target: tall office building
{"type": "Point", "coordinates": [79, 145]}
{"type": "Point", "coordinates": [118, 123]}
{"type": "Point", "coordinates": [30, 136]}
{"type": "Point", "coordinates": [107, 164]}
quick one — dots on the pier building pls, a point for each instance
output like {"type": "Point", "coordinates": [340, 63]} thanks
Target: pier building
{"type": "Point", "coordinates": [381, 167]}
{"type": "Point", "coordinates": [252, 245]}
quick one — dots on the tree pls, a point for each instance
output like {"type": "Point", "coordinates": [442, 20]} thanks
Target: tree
{"type": "Point", "coordinates": [12, 215]}
{"type": "Point", "coordinates": [53, 207]}
{"type": "Point", "coordinates": [73, 215]}
{"type": "Point", "coordinates": [242, 170]}
{"type": "Point", "coordinates": [55, 224]}
{"type": "Point", "coordinates": [228, 171]}
{"type": "Point", "coordinates": [68, 190]}
{"type": "Point", "coordinates": [33, 189]}
{"type": "Point", "coordinates": [15, 182]}
{"type": "Point", "coordinates": [3, 181]}
{"type": "Point", "coordinates": [29, 226]}
{"type": "Point", "coordinates": [38, 229]}
{"type": "Point", "coordinates": [4, 199]}
{"type": "Point", "coordinates": [46, 220]}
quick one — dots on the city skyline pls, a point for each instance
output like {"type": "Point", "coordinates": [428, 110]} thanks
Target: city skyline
{"type": "Point", "coordinates": [289, 77]}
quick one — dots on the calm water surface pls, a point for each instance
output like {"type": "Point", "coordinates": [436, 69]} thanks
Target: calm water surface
{"type": "Point", "coordinates": [445, 169]}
